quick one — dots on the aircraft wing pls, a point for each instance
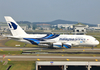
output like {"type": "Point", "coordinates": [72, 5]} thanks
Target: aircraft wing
{"type": "Point", "coordinates": [50, 36]}
{"type": "Point", "coordinates": [37, 41]}
{"type": "Point", "coordinates": [42, 40]}
{"type": "Point", "coordinates": [51, 43]}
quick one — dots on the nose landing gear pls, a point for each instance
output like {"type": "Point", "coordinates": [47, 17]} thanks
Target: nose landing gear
{"type": "Point", "coordinates": [93, 47]}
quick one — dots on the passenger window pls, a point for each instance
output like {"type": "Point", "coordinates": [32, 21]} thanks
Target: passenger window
{"type": "Point", "coordinates": [82, 30]}
{"type": "Point", "coordinates": [77, 30]}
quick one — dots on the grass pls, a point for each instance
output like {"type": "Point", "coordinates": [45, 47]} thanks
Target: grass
{"type": "Point", "coordinates": [22, 65]}
{"type": "Point", "coordinates": [19, 65]}
{"type": "Point", "coordinates": [3, 67]}
{"type": "Point", "coordinates": [30, 45]}
{"type": "Point", "coordinates": [10, 52]}
{"type": "Point", "coordinates": [93, 33]}
{"type": "Point", "coordinates": [13, 43]}
{"type": "Point", "coordinates": [19, 53]}
{"type": "Point", "coordinates": [39, 54]}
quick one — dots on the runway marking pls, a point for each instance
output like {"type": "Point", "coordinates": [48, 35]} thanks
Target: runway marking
{"type": "Point", "coordinates": [38, 59]}
{"type": "Point", "coordinates": [96, 59]}
{"type": "Point", "coordinates": [3, 57]}
{"type": "Point", "coordinates": [1, 50]}
{"type": "Point", "coordinates": [63, 50]}
{"type": "Point", "coordinates": [13, 54]}
{"type": "Point", "coordinates": [67, 59]}
{"type": "Point", "coordinates": [20, 49]}
{"type": "Point", "coordinates": [83, 50]}
{"type": "Point", "coordinates": [94, 56]}
{"type": "Point", "coordinates": [9, 59]}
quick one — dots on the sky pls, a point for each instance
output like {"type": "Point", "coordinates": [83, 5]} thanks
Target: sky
{"type": "Point", "coordinates": [87, 11]}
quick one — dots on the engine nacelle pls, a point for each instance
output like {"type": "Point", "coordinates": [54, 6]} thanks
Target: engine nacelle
{"type": "Point", "coordinates": [57, 45]}
{"type": "Point", "coordinates": [67, 45]}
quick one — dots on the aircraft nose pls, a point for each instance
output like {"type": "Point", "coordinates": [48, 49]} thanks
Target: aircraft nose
{"type": "Point", "coordinates": [97, 42]}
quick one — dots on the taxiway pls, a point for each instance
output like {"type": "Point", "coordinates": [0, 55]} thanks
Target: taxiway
{"type": "Point", "coordinates": [48, 57]}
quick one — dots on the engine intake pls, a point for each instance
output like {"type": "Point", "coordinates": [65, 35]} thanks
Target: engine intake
{"type": "Point", "coordinates": [57, 45]}
{"type": "Point", "coordinates": [67, 45]}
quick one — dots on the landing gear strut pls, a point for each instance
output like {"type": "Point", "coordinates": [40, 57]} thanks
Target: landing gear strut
{"type": "Point", "coordinates": [92, 47]}
{"type": "Point", "coordinates": [25, 45]}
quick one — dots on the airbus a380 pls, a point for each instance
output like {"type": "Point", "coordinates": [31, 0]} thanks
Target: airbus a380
{"type": "Point", "coordinates": [51, 40]}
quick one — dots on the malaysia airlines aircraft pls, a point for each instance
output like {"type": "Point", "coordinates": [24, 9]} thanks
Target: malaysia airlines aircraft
{"type": "Point", "coordinates": [51, 40]}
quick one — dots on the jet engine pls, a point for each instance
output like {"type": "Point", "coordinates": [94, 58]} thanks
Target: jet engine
{"type": "Point", "coordinates": [67, 45]}
{"type": "Point", "coordinates": [57, 45]}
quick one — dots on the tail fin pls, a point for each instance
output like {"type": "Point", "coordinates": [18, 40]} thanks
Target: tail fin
{"type": "Point", "coordinates": [14, 27]}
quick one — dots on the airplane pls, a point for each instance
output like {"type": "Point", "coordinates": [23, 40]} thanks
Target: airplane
{"type": "Point", "coordinates": [51, 40]}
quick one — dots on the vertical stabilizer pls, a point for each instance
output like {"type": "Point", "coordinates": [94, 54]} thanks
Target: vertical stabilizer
{"type": "Point", "coordinates": [14, 27]}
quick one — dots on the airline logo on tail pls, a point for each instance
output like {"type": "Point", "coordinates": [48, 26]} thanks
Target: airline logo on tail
{"type": "Point", "coordinates": [12, 25]}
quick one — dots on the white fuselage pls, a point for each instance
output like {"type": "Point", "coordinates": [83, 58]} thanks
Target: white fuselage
{"type": "Point", "coordinates": [53, 40]}
{"type": "Point", "coordinates": [73, 39]}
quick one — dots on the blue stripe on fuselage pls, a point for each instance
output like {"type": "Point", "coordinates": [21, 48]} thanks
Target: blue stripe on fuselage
{"type": "Point", "coordinates": [67, 46]}
{"type": "Point", "coordinates": [54, 36]}
{"type": "Point", "coordinates": [33, 41]}
{"type": "Point", "coordinates": [49, 36]}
